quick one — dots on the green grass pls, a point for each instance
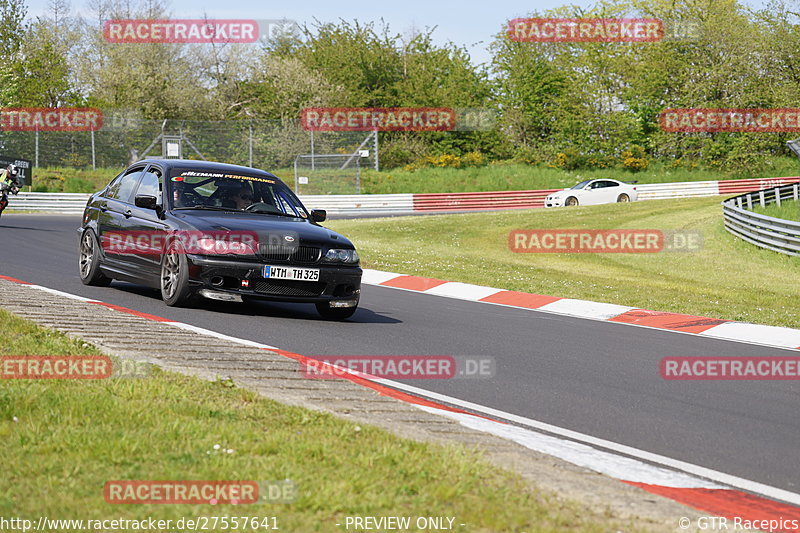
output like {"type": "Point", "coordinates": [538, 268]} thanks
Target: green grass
{"type": "Point", "coordinates": [788, 210]}
{"type": "Point", "coordinates": [62, 440]}
{"type": "Point", "coordinates": [728, 278]}
{"type": "Point", "coordinates": [509, 177]}
{"type": "Point", "coordinates": [500, 176]}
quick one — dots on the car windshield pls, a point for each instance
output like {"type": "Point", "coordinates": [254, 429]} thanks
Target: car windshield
{"type": "Point", "coordinates": [582, 184]}
{"type": "Point", "coordinates": [193, 188]}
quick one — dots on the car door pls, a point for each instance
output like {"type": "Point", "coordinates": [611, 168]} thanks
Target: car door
{"type": "Point", "coordinates": [592, 193]}
{"type": "Point", "coordinates": [115, 216]}
{"type": "Point", "coordinates": [147, 223]}
{"type": "Point", "coordinates": [608, 192]}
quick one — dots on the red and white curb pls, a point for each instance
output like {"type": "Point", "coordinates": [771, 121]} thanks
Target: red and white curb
{"type": "Point", "coordinates": [709, 491]}
{"type": "Point", "coordinates": [772, 336]}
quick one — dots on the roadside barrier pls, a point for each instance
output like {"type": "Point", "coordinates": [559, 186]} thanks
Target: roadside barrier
{"type": "Point", "coordinates": [778, 235]}
{"type": "Point", "coordinates": [395, 204]}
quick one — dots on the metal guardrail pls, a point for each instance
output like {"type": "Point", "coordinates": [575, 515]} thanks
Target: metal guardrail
{"type": "Point", "coordinates": [74, 203]}
{"type": "Point", "coordinates": [354, 204]}
{"type": "Point", "coordinates": [778, 235]}
{"type": "Point", "coordinates": [51, 202]}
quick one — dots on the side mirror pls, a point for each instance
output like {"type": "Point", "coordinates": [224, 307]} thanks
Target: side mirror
{"type": "Point", "coordinates": [145, 202]}
{"type": "Point", "coordinates": [319, 215]}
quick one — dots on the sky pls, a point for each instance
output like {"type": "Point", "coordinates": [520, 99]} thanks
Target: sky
{"type": "Point", "coordinates": [469, 24]}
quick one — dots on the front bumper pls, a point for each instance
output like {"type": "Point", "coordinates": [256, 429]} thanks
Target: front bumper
{"type": "Point", "coordinates": [553, 202]}
{"type": "Point", "coordinates": [336, 282]}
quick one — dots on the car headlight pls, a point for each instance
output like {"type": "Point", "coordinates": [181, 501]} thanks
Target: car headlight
{"type": "Point", "coordinates": [212, 246]}
{"type": "Point", "coordinates": [339, 255]}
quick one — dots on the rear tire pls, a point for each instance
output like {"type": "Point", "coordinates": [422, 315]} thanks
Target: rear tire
{"type": "Point", "coordinates": [623, 198]}
{"type": "Point", "coordinates": [571, 201]}
{"type": "Point", "coordinates": [335, 313]}
{"type": "Point", "coordinates": [175, 289]}
{"type": "Point", "coordinates": [89, 261]}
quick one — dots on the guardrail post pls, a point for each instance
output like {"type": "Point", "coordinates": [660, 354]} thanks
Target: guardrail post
{"type": "Point", "coordinates": [739, 202]}
{"type": "Point", "coordinates": [761, 198]}
{"type": "Point", "coordinates": [778, 196]}
{"type": "Point", "coordinates": [796, 191]}
{"type": "Point", "coordinates": [749, 202]}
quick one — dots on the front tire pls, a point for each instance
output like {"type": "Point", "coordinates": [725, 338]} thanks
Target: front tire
{"type": "Point", "coordinates": [623, 198]}
{"type": "Point", "coordinates": [175, 289]}
{"type": "Point", "coordinates": [89, 262]}
{"type": "Point", "coordinates": [335, 313]}
{"type": "Point", "coordinates": [571, 201]}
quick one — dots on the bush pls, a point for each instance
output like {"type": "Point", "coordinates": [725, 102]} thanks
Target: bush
{"type": "Point", "coordinates": [468, 160]}
{"type": "Point", "coordinates": [399, 151]}
{"type": "Point", "coordinates": [634, 159]}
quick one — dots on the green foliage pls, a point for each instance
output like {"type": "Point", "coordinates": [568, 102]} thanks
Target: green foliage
{"type": "Point", "coordinates": [567, 105]}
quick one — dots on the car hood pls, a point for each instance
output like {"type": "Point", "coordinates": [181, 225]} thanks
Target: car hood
{"type": "Point", "coordinates": [263, 225]}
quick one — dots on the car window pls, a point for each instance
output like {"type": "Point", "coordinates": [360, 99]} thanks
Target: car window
{"type": "Point", "coordinates": [199, 188]}
{"type": "Point", "coordinates": [150, 184]}
{"type": "Point", "coordinates": [610, 184]}
{"type": "Point", "coordinates": [122, 188]}
{"type": "Point", "coordinates": [581, 185]}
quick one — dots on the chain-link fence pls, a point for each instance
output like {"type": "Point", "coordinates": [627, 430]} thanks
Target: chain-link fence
{"type": "Point", "coordinates": [265, 144]}
{"type": "Point", "coordinates": [327, 174]}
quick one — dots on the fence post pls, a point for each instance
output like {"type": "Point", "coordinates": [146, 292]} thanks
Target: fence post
{"type": "Point", "coordinates": [94, 164]}
{"type": "Point", "coordinates": [251, 143]}
{"type": "Point", "coordinates": [312, 150]}
{"type": "Point", "coordinates": [778, 196]}
{"type": "Point", "coordinates": [761, 198]}
{"type": "Point", "coordinates": [376, 150]}
{"type": "Point", "coordinates": [739, 202]}
{"type": "Point", "coordinates": [295, 176]}
{"type": "Point", "coordinates": [796, 191]}
{"type": "Point", "coordinates": [749, 202]}
{"type": "Point", "coordinates": [36, 158]}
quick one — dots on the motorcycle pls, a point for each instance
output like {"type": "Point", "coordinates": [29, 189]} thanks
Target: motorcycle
{"type": "Point", "coordinates": [4, 190]}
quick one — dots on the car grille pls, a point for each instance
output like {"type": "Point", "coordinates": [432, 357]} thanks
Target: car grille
{"type": "Point", "coordinates": [285, 287]}
{"type": "Point", "coordinates": [284, 254]}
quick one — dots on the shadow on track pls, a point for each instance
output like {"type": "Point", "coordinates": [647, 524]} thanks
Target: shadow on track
{"type": "Point", "coordinates": [24, 227]}
{"type": "Point", "coordinates": [261, 308]}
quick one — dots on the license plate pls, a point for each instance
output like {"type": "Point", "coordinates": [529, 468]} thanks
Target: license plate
{"type": "Point", "coordinates": [298, 274]}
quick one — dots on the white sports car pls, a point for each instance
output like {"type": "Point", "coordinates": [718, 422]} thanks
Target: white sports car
{"type": "Point", "coordinates": [593, 192]}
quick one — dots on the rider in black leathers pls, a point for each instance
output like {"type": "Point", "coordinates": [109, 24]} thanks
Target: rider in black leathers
{"type": "Point", "coordinates": [8, 183]}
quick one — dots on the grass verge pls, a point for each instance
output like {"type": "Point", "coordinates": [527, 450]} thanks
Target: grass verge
{"type": "Point", "coordinates": [62, 440]}
{"type": "Point", "coordinates": [788, 210]}
{"type": "Point", "coordinates": [514, 176]}
{"type": "Point", "coordinates": [728, 278]}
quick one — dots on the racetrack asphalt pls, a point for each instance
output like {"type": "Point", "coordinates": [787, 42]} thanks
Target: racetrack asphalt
{"type": "Point", "coordinates": [594, 377]}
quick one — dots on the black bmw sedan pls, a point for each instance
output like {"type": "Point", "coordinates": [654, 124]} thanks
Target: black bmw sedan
{"type": "Point", "coordinates": [197, 229]}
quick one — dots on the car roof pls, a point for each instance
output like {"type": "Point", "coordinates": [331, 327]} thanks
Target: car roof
{"type": "Point", "coordinates": [167, 164]}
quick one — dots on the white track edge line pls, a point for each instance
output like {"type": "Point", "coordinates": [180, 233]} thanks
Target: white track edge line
{"type": "Point", "coordinates": [689, 468]}
{"type": "Point", "coordinates": [607, 321]}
